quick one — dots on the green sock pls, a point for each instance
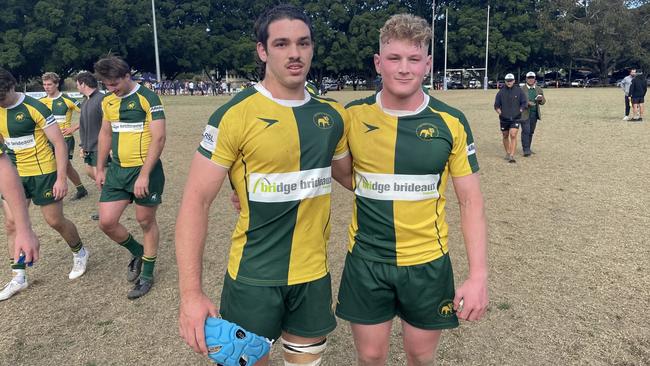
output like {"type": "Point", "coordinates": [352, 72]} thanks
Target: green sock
{"type": "Point", "coordinates": [133, 246]}
{"type": "Point", "coordinates": [16, 265]}
{"type": "Point", "coordinates": [75, 249]}
{"type": "Point", "coordinates": [148, 264]}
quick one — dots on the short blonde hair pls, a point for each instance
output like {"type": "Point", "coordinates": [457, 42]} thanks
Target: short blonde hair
{"type": "Point", "coordinates": [52, 76]}
{"type": "Point", "coordinates": [406, 27]}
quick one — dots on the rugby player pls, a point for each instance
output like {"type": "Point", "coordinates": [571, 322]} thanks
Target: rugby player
{"type": "Point", "coordinates": [133, 128]}
{"type": "Point", "coordinates": [279, 144]}
{"type": "Point", "coordinates": [25, 128]}
{"type": "Point", "coordinates": [405, 146]}
{"type": "Point", "coordinates": [62, 106]}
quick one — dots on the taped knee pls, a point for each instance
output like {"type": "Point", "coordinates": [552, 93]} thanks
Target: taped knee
{"type": "Point", "coordinates": [303, 354]}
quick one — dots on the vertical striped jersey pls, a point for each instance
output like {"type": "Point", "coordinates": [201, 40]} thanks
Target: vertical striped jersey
{"type": "Point", "coordinates": [401, 163]}
{"type": "Point", "coordinates": [279, 154]}
{"type": "Point", "coordinates": [21, 127]}
{"type": "Point", "coordinates": [62, 107]}
{"type": "Point", "coordinates": [130, 117]}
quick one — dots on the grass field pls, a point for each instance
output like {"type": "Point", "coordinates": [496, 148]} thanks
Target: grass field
{"type": "Point", "coordinates": [568, 246]}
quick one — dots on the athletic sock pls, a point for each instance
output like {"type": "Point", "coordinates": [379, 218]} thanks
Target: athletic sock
{"type": "Point", "coordinates": [133, 246]}
{"type": "Point", "coordinates": [148, 264]}
{"type": "Point", "coordinates": [75, 249]}
{"type": "Point", "coordinates": [18, 270]}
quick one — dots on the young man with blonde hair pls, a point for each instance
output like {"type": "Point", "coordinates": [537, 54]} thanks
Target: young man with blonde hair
{"type": "Point", "coordinates": [405, 146]}
{"type": "Point", "coordinates": [62, 106]}
{"type": "Point", "coordinates": [27, 128]}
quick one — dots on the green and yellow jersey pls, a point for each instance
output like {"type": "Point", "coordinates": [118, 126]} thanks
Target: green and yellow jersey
{"type": "Point", "coordinates": [279, 156]}
{"type": "Point", "coordinates": [402, 162]}
{"type": "Point", "coordinates": [21, 127]}
{"type": "Point", "coordinates": [130, 117]}
{"type": "Point", "coordinates": [62, 107]}
{"type": "Point", "coordinates": [311, 88]}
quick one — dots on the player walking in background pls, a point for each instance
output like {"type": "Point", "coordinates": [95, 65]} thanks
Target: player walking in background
{"type": "Point", "coordinates": [90, 122]}
{"type": "Point", "coordinates": [26, 126]}
{"type": "Point", "coordinates": [509, 104]}
{"type": "Point", "coordinates": [62, 106]}
{"type": "Point", "coordinates": [279, 144]}
{"type": "Point", "coordinates": [405, 145]}
{"type": "Point", "coordinates": [133, 128]}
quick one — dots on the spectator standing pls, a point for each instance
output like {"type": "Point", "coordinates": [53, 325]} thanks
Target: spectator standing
{"type": "Point", "coordinates": [532, 113]}
{"type": "Point", "coordinates": [625, 85]}
{"type": "Point", "coordinates": [509, 104]}
{"type": "Point", "coordinates": [638, 90]}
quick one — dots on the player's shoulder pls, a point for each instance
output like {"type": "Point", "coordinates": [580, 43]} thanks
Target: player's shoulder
{"type": "Point", "coordinates": [362, 102]}
{"type": "Point", "coordinates": [439, 105]}
{"type": "Point", "coordinates": [239, 101]}
{"type": "Point", "coordinates": [332, 103]}
{"type": "Point", "coordinates": [36, 104]}
{"type": "Point", "coordinates": [148, 94]}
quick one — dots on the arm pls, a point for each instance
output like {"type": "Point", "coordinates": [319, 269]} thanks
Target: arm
{"type": "Point", "coordinates": [342, 171]}
{"type": "Point", "coordinates": [157, 129]}
{"type": "Point", "coordinates": [474, 227]}
{"type": "Point", "coordinates": [55, 136]}
{"type": "Point", "coordinates": [203, 183]}
{"type": "Point", "coordinates": [103, 147]}
{"type": "Point", "coordinates": [13, 193]}
{"type": "Point", "coordinates": [523, 100]}
{"type": "Point", "coordinates": [497, 103]}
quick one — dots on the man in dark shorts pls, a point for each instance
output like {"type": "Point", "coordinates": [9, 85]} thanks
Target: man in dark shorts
{"type": "Point", "coordinates": [509, 104]}
{"type": "Point", "coordinates": [133, 128]}
{"type": "Point", "coordinates": [638, 90]}
{"type": "Point", "coordinates": [27, 128]}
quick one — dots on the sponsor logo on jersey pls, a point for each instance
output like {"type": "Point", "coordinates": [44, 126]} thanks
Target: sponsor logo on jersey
{"type": "Point", "coordinates": [209, 141]}
{"type": "Point", "coordinates": [426, 132]}
{"type": "Point", "coordinates": [323, 120]}
{"type": "Point", "coordinates": [269, 122]}
{"type": "Point", "coordinates": [446, 308]}
{"type": "Point", "coordinates": [370, 127]}
{"type": "Point", "coordinates": [471, 149]}
{"type": "Point", "coordinates": [121, 127]}
{"type": "Point", "coordinates": [293, 186]}
{"type": "Point", "coordinates": [396, 187]}
{"type": "Point", "coordinates": [20, 116]}
{"type": "Point", "coordinates": [19, 143]}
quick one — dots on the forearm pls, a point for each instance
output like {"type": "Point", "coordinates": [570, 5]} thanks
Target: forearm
{"type": "Point", "coordinates": [474, 228]}
{"type": "Point", "coordinates": [14, 195]}
{"type": "Point", "coordinates": [103, 148]}
{"type": "Point", "coordinates": [191, 229]}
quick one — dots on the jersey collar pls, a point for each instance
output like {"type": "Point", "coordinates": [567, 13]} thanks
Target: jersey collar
{"type": "Point", "coordinates": [402, 113]}
{"type": "Point", "coordinates": [21, 99]}
{"type": "Point", "coordinates": [283, 102]}
{"type": "Point", "coordinates": [137, 87]}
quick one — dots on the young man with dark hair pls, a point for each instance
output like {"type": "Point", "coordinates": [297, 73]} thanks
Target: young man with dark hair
{"type": "Point", "coordinates": [90, 120]}
{"type": "Point", "coordinates": [133, 128]}
{"type": "Point", "coordinates": [280, 146]}
{"type": "Point", "coordinates": [62, 107]}
{"type": "Point", "coordinates": [26, 127]}
{"type": "Point", "coordinates": [405, 146]}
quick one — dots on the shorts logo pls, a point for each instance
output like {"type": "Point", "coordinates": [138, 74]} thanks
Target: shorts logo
{"type": "Point", "coordinates": [446, 308]}
{"type": "Point", "coordinates": [48, 194]}
{"type": "Point", "coordinates": [154, 197]}
{"type": "Point", "coordinates": [426, 132]}
{"type": "Point", "coordinates": [323, 120]}
{"type": "Point", "coordinates": [131, 105]}
{"type": "Point", "coordinates": [20, 117]}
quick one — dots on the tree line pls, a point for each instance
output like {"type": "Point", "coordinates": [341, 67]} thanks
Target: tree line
{"type": "Point", "coordinates": [202, 36]}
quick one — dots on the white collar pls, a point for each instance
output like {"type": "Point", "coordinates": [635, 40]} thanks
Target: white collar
{"type": "Point", "coordinates": [137, 87]}
{"type": "Point", "coordinates": [283, 102]}
{"type": "Point", "coordinates": [20, 100]}
{"type": "Point", "coordinates": [403, 113]}
{"type": "Point", "coordinates": [57, 97]}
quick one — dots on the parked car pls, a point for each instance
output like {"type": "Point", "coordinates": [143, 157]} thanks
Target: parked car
{"type": "Point", "coordinates": [578, 83]}
{"type": "Point", "coordinates": [592, 82]}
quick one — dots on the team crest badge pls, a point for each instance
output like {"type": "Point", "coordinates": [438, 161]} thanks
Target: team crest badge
{"type": "Point", "coordinates": [131, 105]}
{"type": "Point", "coordinates": [426, 132]}
{"type": "Point", "coordinates": [20, 117]}
{"type": "Point", "coordinates": [48, 194]}
{"type": "Point", "coordinates": [59, 103]}
{"type": "Point", "coordinates": [446, 308]}
{"type": "Point", "coordinates": [323, 120]}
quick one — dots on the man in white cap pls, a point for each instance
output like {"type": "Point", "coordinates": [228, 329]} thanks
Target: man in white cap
{"type": "Point", "coordinates": [509, 104]}
{"type": "Point", "coordinates": [532, 113]}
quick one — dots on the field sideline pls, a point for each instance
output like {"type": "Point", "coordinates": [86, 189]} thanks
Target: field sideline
{"type": "Point", "coordinates": [568, 249]}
